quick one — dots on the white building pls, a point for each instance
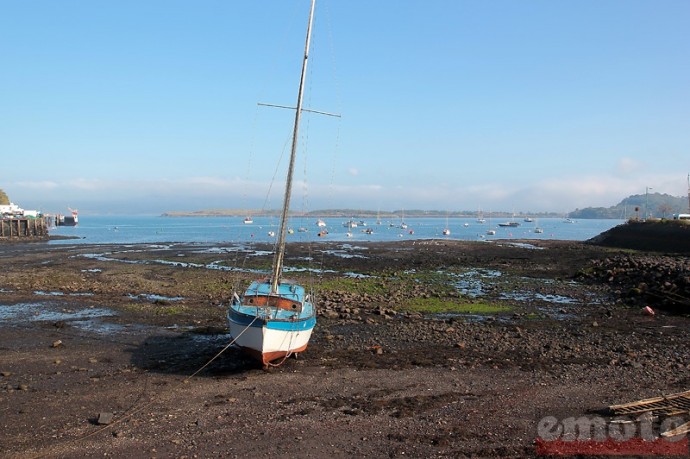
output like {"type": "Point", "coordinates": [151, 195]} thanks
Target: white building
{"type": "Point", "coordinates": [13, 210]}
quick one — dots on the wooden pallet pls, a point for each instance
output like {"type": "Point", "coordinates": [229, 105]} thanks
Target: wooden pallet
{"type": "Point", "coordinates": [667, 405]}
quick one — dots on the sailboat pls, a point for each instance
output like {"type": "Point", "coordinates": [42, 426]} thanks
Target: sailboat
{"type": "Point", "coordinates": [403, 225]}
{"type": "Point", "coordinates": [480, 216]}
{"type": "Point", "coordinates": [274, 317]}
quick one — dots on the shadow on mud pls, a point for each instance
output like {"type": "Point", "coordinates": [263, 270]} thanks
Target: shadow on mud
{"type": "Point", "coordinates": [184, 353]}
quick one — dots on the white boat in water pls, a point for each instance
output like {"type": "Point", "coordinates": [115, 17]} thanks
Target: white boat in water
{"type": "Point", "coordinates": [274, 317]}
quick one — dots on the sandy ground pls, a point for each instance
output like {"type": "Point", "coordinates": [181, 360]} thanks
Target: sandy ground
{"type": "Point", "coordinates": [98, 345]}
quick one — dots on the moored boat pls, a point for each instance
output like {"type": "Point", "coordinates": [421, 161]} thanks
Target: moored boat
{"type": "Point", "coordinates": [274, 317]}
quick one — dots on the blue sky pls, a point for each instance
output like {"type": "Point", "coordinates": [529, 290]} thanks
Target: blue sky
{"type": "Point", "coordinates": [149, 106]}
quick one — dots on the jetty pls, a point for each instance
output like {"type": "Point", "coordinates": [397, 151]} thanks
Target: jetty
{"type": "Point", "coordinates": [23, 228]}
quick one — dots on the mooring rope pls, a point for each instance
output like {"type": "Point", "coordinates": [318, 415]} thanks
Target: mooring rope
{"type": "Point", "coordinates": [128, 414]}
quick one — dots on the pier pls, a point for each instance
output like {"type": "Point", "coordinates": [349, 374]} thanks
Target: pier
{"type": "Point", "coordinates": [23, 229]}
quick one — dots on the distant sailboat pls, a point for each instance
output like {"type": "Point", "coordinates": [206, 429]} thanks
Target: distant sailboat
{"type": "Point", "coordinates": [490, 232]}
{"type": "Point", "coordinates": [480, 216]}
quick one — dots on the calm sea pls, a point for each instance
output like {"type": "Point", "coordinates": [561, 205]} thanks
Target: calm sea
{"type": "Point", "coordinates": [155, 229]}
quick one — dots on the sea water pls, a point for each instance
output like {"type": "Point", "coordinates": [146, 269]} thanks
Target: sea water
{"type": "Point", "coordinates": [100, 229]}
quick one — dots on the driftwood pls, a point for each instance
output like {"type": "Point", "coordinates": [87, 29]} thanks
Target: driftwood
{"type": "Point", "coordinates": [680, 430]}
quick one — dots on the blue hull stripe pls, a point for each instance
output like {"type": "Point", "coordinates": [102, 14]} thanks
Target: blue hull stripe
{"type": "Point", "coordinates": [244, 320]}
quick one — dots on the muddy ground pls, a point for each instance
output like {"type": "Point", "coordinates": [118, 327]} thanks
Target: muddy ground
{"type": "Point", "coordinates": [422, 349]}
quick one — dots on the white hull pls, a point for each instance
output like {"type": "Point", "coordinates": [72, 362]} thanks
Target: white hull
{"type": "Point", "coordinates": [270, 344]}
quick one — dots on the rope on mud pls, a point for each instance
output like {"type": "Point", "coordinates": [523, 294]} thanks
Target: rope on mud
{"type": "Point", "coordinates": [222, 350]}
{"type": "Point", "coordinates": [136, 410]}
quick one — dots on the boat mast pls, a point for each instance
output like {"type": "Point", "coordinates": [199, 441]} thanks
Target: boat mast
{"type": "Point", "coordinates": [280, 246]}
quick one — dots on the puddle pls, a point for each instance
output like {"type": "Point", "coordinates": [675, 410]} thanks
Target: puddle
{"type": "Point", "coordinates": [353, 247]}
{"type": "Point", "coordinates": [93, 270]}
{"type": "Point", "coordinates": [154, 297]}
{"type": "Point", "coordinates": [178, 264]}
{"type": "Point", "coordinates": [34, 312]}
{"type": "Point", "coordinates": [85, 319]}
{"type": "Point", "coordinates": [473, 318]}
{"type": "Point", "coordinates": [357, 275]}
{"type": "Point", "coordinates": [529, 296]}
{"type": "Point", "coordinates": [260, 253]}
{"type": "Point", "coordinates": [305, 270]}
{"type": "Point", "coordinates": [342, 254]}
{"type": "Point", "coordinates": [521, 245]}
{"type": "Point", "coordinates": [43, 293]}
{"type": "Point", "coordinates": [471, 283]}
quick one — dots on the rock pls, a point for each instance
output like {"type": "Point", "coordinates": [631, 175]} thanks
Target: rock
{"type": "Point", "coordinates": [104, 418]}
{"type": "Point", "coordinates": [23, 387]}
{"type": "Point", "coordinates": [57, 343]}
{"type": "Point", "coordinates": [5, 373]}
{"type": "Point", "coordinates": [330, 314]}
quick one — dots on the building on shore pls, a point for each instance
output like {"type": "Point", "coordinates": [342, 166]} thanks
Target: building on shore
{"type": "Point", "coordinates": [17, 224]}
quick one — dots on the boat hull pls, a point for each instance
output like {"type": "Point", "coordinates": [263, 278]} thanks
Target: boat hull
{"type": "Point", "coordinates": [267, 340]}
{"type": "Point", "coordinates": [268, 325]}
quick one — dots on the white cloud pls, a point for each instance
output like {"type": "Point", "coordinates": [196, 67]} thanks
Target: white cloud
{"type": "Point", "coordinates": [627, 166]}
{"type": "Point", "coordinates": [554, 194]}
{"type": "Point", "coordinates": [38, 185]}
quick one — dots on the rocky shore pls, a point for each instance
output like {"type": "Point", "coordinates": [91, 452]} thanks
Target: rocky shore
{"type": "Point", "coordinates": [422, 349]}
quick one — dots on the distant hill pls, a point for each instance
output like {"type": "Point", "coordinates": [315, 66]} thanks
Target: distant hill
{"type": "Point", "coordinates": [653, 205]}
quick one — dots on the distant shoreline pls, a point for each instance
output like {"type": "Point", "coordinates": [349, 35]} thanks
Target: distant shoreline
{"type": "Point", "coordinates": [349, 213]}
